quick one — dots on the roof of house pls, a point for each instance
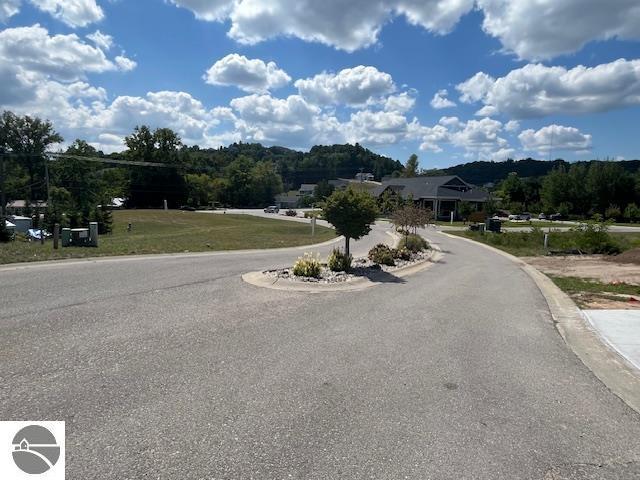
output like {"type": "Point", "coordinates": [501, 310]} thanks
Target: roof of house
{"type": "Point", "coordinates": [23, 204]}
{"type": "Point", "coordinates": [432, 187]}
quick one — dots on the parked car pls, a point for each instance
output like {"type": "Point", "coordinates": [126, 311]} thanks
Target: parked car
{"type": "Point", "coordinates": [272, 209]}
{"type": "Point", "coordinates": [188, 208]}
{"type": "Point", "coordinates": [520, 216]}
{"type": "Point", "coordinates": [556, 217]}
{"type": "Point", "coordinates": [542, 216]}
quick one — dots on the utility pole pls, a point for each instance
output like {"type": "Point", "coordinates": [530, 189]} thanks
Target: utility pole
{"type": "Point", "coordinates": [3, 195]}
{"type": "Point", "coordinates": [46, 177]}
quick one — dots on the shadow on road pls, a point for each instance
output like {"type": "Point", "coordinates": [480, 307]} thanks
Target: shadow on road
{"type": "Point", "coordinates": [379, 276]}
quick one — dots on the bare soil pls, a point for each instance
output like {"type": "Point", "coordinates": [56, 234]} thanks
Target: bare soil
{"type": "Point", "coordinates": [630, 256]}
{"type": "Point", "coordinates": [596, 301]}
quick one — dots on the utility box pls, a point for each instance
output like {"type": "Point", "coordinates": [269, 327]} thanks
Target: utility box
{"type": "Point", "coordinates": [66, 237]}
{"type": "Point", "coordinates": [80, 237]}
{"type": "Point", "coordinates": [493, 225]}
{"type": "Point", "coordinates": [93, 234]}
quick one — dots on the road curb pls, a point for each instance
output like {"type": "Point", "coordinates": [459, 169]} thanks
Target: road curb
{"type": "Point", "coordinates": [258, 279]}
{"type": "Point", "coordinates": [605, 363]}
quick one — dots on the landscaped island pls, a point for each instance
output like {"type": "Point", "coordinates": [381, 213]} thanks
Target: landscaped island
{"type": "Point", "coordinates": [159, 231]}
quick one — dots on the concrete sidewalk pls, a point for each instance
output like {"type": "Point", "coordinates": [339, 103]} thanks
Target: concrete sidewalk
{"type": "Point", "coordinates": [620, 329]}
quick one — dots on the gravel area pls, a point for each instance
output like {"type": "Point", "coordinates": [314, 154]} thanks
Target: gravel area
{"type": "Point", "coordinates": [361, 267]}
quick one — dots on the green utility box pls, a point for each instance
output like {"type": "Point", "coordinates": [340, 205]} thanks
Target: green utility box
{"type": "Point", "coordinates": [80, 237]}
{"type": "Point", "coordinates": [493, 225]}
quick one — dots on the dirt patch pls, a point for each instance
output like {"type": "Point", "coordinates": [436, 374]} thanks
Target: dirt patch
{"type": "Point", "coordinates": [630, 256]}
{"type": "Point", "coordinates": [604, 301]}
{"type": "Point", "coordinates": [602, 268]}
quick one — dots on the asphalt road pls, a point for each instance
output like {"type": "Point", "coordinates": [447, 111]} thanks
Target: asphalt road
{"type": "Point", "coordinates": [173, 368]}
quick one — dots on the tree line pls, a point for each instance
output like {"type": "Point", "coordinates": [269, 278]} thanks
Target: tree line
{"type": "Point", "coordinates": [155, 166]}
{"type": "Point", "coordinates": [582, 190]}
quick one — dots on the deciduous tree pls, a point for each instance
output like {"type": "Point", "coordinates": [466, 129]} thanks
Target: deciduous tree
{"type": "Point", "coordinates": [351, 212]}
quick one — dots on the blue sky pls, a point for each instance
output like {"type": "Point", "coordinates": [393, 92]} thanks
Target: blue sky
{"type": "Point", "coordinates": [522, 78]}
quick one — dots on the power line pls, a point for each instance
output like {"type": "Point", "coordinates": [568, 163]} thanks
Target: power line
{"type": "Point", "coordinates": [90, 159]}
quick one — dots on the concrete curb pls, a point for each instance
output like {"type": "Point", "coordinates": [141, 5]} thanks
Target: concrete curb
{"type": "Point", "coordinates": [155, 256]}
{"type": "Point", "coordinates": [258, 279]}
{"type": "Point", "coordinates": [612, 369]}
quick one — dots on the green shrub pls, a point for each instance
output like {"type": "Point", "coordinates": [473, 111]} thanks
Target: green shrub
{"type": "Point", "coordinates": [307, 266]}
{"type": "Point", "coordinates": [313, 213]}
{"type": "Point", "coordinates": [632, 212]}
{"type": "Point", "coordinates": [382, 254]}
{"type": "Point", "coordinates": [402, 253]}
{"type": "Point", "coordinates": [477, 217]}
{"type": "Point", "coordinates": [594, 238]}
{"type": "Point", "coordinates": [613, 212]}
{"type": "Point", "coordinates": [414, 243]}
{"type": "Point", "coordinates": [5, 235]}
{"type": "Point", "coordinates": [338, 261]}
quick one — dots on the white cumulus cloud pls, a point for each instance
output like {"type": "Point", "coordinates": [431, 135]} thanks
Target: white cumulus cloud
{"type": "Point", "coordinates": [538, 30]}
{"type": "Point", "coordinates": [352, 86]}
{"type": "Point", "coordinates": [63, 57]}
{"type": "Point", "coordinates": [75, 13]}
{"type": "Point", "coordinates": [125, 64]}
{"type": "Point", "coordinates": [555, 137]}
{"type": "Point", "coordinates": [377, 127]}
{"type": "Point", "coordinates": [537, 90]}
{"type": "Point", "coordinates": [401, 103]}
{"type": "Point", "coordinates": [250, 75]}
{"type": "Point", "coordinates": [101, 40]}
{"type": "Point", "coordinates": [345, 25]}
{"type": "Point", "coordinates": [532, 29]}
{"type": "Point", "coordinates": [9, 8]}
{"type": "Point", "coordinates": [440, 100]}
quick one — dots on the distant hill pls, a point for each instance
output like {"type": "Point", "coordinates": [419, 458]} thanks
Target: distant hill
{"type": "Point", "coordinates": [322, 162]}
{"type": "Point", "coordinates": [480, 173]}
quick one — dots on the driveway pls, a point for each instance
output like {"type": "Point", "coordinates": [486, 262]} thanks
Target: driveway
{"type": "Point", "coordinates": [173, 368]}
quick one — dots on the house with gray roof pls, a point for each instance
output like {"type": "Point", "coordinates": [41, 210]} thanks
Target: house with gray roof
{"type": "Point", "coordinates": [441, 195]}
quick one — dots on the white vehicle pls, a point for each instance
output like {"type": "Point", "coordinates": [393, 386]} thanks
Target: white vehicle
{"type": "Point", "coordinates": [272, 209]}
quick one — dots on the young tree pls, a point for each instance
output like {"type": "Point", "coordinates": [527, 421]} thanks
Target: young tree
{"type": "Point", "coordinates": [632, 212]}
{"type": "Point", "coordinates": [59, 208]}
{"type": "Point", "coordinates": [351, 212]}
{"type": "Point", "coordinates": [200, 189]}
{"type": "Point", "coordinates": [465, 209]}
{"type": "Point", "coordinates": [5, 236]}
{"type": "Point", "coordinates": [411, 217]}
{"type": "Point", "coordinates": [102, 214]}
{"type": "Point", "coordinates": [151, 185]}
{"type": "Point", "coordinates": [265, 184]}
{"type": "Point", "coordinates": [389, 203]}
{"type": "Point", "coordinates": [411, 168]}
{"type": "Point", "coordinates": [323, 190]}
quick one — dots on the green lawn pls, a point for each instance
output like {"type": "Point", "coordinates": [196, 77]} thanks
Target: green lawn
{"type": "Point", "coordinates": [580, 285]}
{"type": "Point", "coordinates": [157, 231]}
{"type": "Point", "coordinates": [540, 224]}
{"type": "Point", "coordinates": [524, 244]}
